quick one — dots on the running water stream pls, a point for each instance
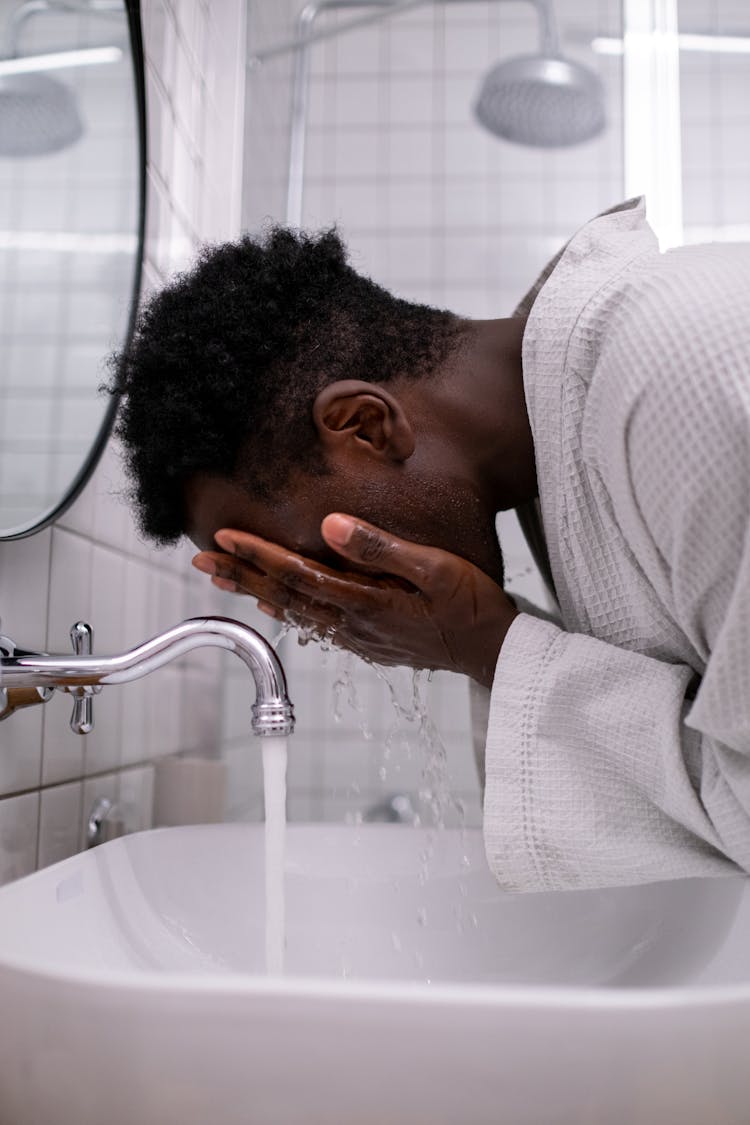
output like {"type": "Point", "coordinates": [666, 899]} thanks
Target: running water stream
{"type": "Point", "coordinates": [413, 729]}
{"type": "Point", "coordinates": [274, 792]}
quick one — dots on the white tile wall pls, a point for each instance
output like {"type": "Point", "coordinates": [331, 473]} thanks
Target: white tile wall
{"type": "Point", "coordinates": [59, 822]}
{"type": "Point", "coordinates": [91, 565]}
{"type": "Point", "coordinates": [19, 834]}
{"type": "Point", "coordinates": [715, 109]}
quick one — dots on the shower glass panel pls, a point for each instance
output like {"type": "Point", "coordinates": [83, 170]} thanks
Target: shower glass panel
{"type": "Point", "coordinates": [440, 211]}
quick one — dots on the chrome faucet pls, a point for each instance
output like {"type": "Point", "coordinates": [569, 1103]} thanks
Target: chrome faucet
{"type": "Point", "coordinates": [32, 677]}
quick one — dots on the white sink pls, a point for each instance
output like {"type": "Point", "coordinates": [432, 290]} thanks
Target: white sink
{"type": "Point", "coordinates": [133, 992]}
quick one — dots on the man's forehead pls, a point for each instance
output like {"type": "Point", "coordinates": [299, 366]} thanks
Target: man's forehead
{"type": "Point", "coordinates": [212, 503]}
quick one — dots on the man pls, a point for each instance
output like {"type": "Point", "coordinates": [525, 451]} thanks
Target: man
{"type": "Point", "coordinates": [341, 456]}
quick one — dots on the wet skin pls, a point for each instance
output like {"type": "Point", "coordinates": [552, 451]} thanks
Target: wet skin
{"type": "Point", "coordinates": [415, 577]}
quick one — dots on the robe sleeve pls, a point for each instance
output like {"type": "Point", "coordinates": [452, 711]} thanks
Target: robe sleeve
{"type": "Point", "coordinates": [605, 766]}
{"type": "Point", "coordinates": [593, 777]}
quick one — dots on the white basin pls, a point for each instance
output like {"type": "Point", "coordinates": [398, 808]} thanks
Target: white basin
{"type": "Point", "coordinates": [133, 992]}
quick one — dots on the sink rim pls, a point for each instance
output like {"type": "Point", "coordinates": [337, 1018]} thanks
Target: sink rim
{"type": "Point", "coordinates": [478, 995]}
{"type": "Point", "coordinates": [481, 995]}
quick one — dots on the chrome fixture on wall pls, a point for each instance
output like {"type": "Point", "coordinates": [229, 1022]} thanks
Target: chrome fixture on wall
{"type": "Point", "coordinates": [40, 114]}
{"type": "Point", "coordinates": [104, 823]}
{"type": "Point", "coordinates": [31, 677]}
{"type": "Point", "coordinates": [395, 809]}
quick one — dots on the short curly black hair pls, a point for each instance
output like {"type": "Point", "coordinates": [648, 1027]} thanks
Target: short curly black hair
{"type": "Point", "coordinates": [225, 363]}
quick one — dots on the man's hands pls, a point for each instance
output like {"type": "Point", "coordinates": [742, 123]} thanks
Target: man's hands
{"type": "Point", "coordinates": [415, 605]}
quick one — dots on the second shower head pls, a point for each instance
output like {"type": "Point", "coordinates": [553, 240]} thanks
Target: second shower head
{"type": "Point", "coordinates": [38, 115]}
{"type": "Point", "coordinates": [543, 102]}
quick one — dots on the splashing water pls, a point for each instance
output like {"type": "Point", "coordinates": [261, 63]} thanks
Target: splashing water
{"type": "Point", "coordinates": [345, 691]}
{"type": "Point", "coordinates": [413, 732]}
{"type": "Point", "coordinates": [410, 702]}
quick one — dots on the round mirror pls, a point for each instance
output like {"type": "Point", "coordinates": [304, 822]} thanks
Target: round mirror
{"type": "Point", "coordinates": [72, 188]}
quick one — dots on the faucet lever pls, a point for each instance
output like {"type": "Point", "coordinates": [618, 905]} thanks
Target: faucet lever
{"type": "Point", "coordinates": [83, 675]}
{"type": "Point", "coordinates": [82, 719]}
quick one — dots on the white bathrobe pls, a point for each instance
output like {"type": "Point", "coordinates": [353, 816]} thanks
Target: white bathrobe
{"type": "Point", "coordinates": [618, 746]}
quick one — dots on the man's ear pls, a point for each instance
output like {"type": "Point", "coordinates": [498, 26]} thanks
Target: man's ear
{"type": "Point", "coordinates": [353, 416]}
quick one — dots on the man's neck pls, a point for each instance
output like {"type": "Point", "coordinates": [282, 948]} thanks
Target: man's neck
{"type": "Point", "coordinates": [482, 399]}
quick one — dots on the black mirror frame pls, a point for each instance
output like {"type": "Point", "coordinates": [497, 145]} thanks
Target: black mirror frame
{"type": "Point", "coordinates": [133, 10]}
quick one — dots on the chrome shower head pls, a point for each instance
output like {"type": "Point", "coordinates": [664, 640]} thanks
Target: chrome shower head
{"type": "Point", "coordinates": [38, 115]}
{"type": "Point", "coordinates": [542, 100]}
{"type": "Point", "coordinates": [545, 102]}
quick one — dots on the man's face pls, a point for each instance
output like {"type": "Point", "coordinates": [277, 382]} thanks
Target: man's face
{"type": "Point", "coordinates": [429, 509]}
{"type": "Point", "coordinates": [292, 519]}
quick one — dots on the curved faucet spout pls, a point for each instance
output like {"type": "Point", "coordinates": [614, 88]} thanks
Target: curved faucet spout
{"type": "Point", "coordinates": [272, 712]}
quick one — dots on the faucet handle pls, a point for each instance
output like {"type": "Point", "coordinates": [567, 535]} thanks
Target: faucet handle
{"type": "Point", "coordinates": [82, 719]}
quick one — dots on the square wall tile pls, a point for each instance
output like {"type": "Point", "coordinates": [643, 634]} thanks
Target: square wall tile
{"type": "Point", "coordinates": [80, 515]}
{"type": "Point", "coordinates": [166, 597]}
{"type": "Point", "coordinates": [136, 798]}
{"type": "Point", "coordinates": [59, 823]}
{"type": "Point", "coordinates": [160, 128]}
{"type": "Point", "coordinates": [21, 750]}
{"type": "Point", "coordinates": [70, 587]}
{"type": "Point", "coordinates": [113, 523]}
{"type": "Point", "coordinates": [107, 605]}
{"type": "Point", "coordinates": [137, 625]}
{"type": "Point", "coordinates": [159, 38]}
{"type": "Point", "coordinates": [24, 589]}
{"type": "Point", "coordinates": [105, 786]}
{"type": "Point", "coordinates": [63, 751]}
{"type": "Point", "coordinates": [163, 701]}
{"type": "Point", "coordinates": [19, 826]}
{"type": "Point", "coordinates": [201, 714]}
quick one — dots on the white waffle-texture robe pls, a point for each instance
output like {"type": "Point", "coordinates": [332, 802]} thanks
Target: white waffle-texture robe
{"type": "Point", "coordinates": [618, 745]}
